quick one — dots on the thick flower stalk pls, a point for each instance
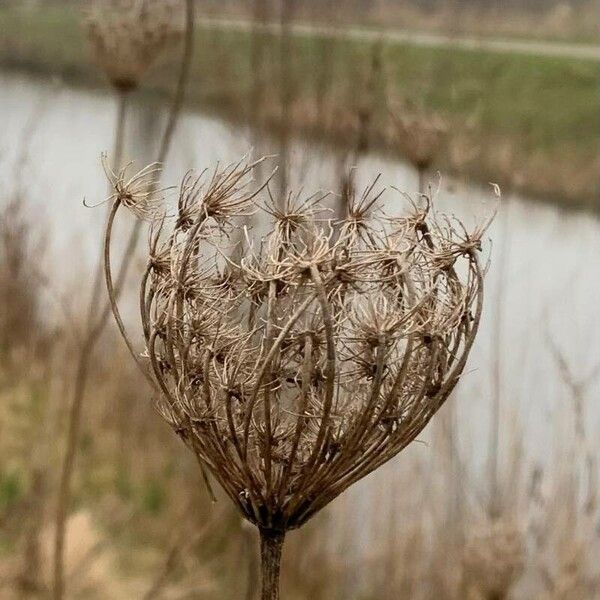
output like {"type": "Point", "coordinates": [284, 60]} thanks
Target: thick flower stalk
{"type": "Point", "coordinates": [299, 368]}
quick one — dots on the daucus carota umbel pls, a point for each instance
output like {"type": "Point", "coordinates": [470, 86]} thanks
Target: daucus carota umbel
{"type": "Point", "coordinates": [322, 352]}
{"type": "Point", "coordinates": [420, 136]}
{"type": "Point", "coordinates": [128, 36]}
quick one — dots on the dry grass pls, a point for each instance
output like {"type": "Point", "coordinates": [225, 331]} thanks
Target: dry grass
{"type": "Point", "coordinates": [568, 21]}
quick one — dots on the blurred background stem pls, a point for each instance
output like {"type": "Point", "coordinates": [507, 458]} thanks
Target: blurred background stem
{"type": "Point", "coordinates": [82, 368]}
{"type": "Point", "coordinates": [97, 322]}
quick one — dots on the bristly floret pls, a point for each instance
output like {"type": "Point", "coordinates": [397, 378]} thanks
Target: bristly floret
{"type": "Point", "coordinates": [138, 193]}
{"type": "Point", "coordinates": [294, 213]}
{"type": "Point", "coordinates": [224, 195]}
{"type": "Point", "coordinates": [361, 211]}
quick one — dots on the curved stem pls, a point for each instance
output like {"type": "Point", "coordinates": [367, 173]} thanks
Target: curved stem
{"type": "Point", "coordinates": [271, 547]}
{"type": "Point", "coordinates": [270, 327]}
{"type": "Point", "coordinates": [112, 295]}
{"type": "Point", "coordinates": [118, 149]}
{"type": "Point", "coordinates": [174, 114]}
{"type": "Point", "coordinates": [267, 361]}
{"type": "Point", "coordinates": [302, 421]}
{"type": "Point", "coordinates": [331, 361]}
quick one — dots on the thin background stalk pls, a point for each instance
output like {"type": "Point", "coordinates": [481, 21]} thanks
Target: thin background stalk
{"type": "Point", "coordinates": [97, 325]}
{"type": "Point", "coordinates": [494, 506]}
{"type": "Point", "coordinates": [286, 92]}
{"type": "Point", "coordinates": [81, 376]}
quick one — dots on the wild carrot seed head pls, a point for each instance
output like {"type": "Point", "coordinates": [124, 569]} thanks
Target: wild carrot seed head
{"type": "Point", "coordinates": [128, 36]}
{"type": "Point", "coordinates": [315, 357]}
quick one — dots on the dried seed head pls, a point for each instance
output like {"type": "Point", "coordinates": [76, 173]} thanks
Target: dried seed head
{"type": "Point", "coordinates": [319, 354]}
{"type": "Point", "coordinates": [420, 136]}
{"type": "Point", "coordinates": [128, 36]}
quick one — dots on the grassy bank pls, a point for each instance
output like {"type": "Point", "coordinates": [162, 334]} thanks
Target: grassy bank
{"type": "Point", "coordinates": [569, 21]}
{"type": "Point", "coordinates": [529, 123]}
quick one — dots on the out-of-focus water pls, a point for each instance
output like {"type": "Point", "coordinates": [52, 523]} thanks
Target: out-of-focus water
{"type": "Point", "coordinates": [546, 259]}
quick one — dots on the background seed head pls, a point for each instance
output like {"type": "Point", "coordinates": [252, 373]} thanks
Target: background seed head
{"type": "Point", "coordinates": [127, 37]}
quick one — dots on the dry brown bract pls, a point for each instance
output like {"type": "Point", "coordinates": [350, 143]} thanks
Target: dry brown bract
{"type": "Point", "coordinates": [315, 358]}
{"type": "Point", "coordinates": [128, 36]}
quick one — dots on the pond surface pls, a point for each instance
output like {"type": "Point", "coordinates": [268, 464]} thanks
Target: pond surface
{"type": "Point", "coordinates": [543, 286]}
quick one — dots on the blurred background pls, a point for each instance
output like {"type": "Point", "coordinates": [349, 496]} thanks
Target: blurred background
{"type": "Point", "coordinates": [499, 499]}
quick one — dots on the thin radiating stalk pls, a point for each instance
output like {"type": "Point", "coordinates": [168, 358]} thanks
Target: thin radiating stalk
{"type": "Point", "coordinates": [97, 321]}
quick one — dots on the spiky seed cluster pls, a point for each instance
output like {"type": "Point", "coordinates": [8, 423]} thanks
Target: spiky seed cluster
{"type": "Point", "coordinates": [128, 36]}
{"type": "Point", "coordinates": [138, 193]}
{"type": "Point", "coordinates": [320, 354]}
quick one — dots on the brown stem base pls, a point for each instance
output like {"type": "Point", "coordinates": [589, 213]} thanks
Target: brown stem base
{"type": "Point", "coordinates": [271, 546]}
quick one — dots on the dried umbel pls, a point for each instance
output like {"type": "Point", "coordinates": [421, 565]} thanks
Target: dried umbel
{"type": "Point", "coordinates": [325, 350]}
{"type": "Point", "coordinates": [494, 559]}
{"type": "Point", "coordinates": [420, 136]}
{"type": "Point", "coordinates": [128, 36]}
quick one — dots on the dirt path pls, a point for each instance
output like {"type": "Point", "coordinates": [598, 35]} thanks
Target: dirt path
{"type": "Point", "coordinates": [535, 48]}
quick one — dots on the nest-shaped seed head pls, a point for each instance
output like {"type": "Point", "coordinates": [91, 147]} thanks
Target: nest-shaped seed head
{"type": "Point", "coordinates": [127, 37]}
{"type": "Point", "coordinates": [319, 353]}
{"type": "Point", "coordinates": [420, 134]}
